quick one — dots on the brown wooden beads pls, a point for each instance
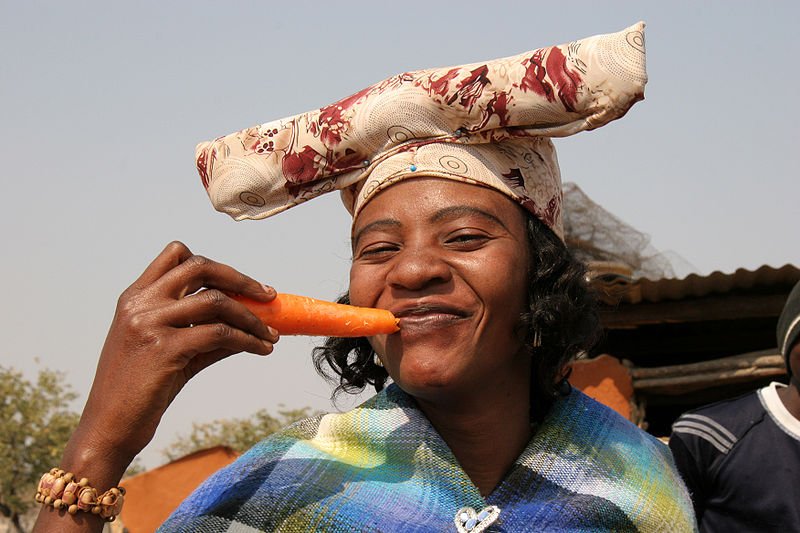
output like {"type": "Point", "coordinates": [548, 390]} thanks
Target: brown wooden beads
{"type": "Point", "coordinates": [60, 490]}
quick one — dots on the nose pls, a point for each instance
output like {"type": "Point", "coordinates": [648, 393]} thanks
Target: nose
{"type": "Point", "coordinates": [418, 268]}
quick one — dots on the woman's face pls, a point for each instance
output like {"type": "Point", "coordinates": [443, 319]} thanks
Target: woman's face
{"type": "Point", "coordinates": [450, 260]}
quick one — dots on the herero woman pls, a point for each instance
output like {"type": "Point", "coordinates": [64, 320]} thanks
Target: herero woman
{"type": "Point", "coordinates": [455, 192]}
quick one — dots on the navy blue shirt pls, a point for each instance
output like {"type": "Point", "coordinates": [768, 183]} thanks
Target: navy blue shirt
{"type": "Point", "coordinates": [740, 459]}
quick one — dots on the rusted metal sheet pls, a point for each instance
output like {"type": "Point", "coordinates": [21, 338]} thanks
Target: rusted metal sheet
{"type": "Point", "coordinates": [616, 288]}
{"type": "Point", "coordinates": [694, 286]}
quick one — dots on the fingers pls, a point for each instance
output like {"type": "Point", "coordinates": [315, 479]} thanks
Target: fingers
{"type": "Point", "coordinates": [176, 272]}
{"type": "Point", "coordinates": [217, 341]}
{"type": "Point", "coordinates": [156, 311]}
{"type": "Point", "coordinates": [210, 306]}
{"type": "Point", "coordinates": [173, 255]}
{"type": "Point", "coordinates": [204, 360]}
{"type": "Point", "coordinates": [197, 272]}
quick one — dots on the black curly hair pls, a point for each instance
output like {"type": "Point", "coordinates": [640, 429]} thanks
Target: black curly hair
{"type": "Point", "coordinates": [561, 307]}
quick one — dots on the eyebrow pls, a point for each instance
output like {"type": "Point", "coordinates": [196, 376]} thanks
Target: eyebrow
{"type": "Point", "coordinates": [463, 210]}
{"type": "Point", "coordinates": [377, 225]}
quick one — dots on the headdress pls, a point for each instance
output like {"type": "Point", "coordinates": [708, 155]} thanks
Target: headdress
{"type": "Point", "coordinates": [485, 123]}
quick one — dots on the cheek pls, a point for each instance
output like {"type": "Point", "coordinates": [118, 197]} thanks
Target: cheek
{"type": "Point", "coordinates": [360, 289]}
{"type": "Point", "coordinates": [509, 287]}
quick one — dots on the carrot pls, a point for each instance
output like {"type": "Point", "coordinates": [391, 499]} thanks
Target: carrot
{"type": "Point", "coordinates": [301, 315]}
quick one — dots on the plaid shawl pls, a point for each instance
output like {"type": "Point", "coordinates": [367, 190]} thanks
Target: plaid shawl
{"type": "Point", "coordinates": [383, 467]}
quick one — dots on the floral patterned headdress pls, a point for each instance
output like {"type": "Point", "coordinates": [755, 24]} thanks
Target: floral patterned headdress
{"type": "Point", "coordinates": [485, 123]}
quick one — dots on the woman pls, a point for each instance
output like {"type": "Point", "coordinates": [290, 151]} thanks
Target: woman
{"type": "Point", "coordinates": [455, 194]}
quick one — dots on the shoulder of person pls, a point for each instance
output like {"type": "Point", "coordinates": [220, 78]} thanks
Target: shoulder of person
{"type": "Point", "coordinates": [606, 423]}
{"type": "Point", "coordinates": [721, 424]}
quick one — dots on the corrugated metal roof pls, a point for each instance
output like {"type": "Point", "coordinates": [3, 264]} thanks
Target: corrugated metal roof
{"type": "Point", "coordinates": [617, 288]}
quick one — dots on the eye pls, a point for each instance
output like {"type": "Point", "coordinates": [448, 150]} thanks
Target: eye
{"type": "Point", "coordinates": [467, 240]}
{"type": "Point", "coordinates": [378, 250]}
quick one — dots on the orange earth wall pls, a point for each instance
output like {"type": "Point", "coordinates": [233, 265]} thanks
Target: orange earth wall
{"type": "Point", "coordinates": [607, 380]}
{"type": "Point", "coordinates": [152, 496]}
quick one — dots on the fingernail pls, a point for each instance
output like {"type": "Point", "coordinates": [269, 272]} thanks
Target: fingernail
{"type": "Point", "coordinates": [272, 331]}
{"type": "Point", "coordinates": [269, 290]}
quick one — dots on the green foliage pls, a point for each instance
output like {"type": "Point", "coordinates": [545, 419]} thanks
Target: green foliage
{"type": "Point", "coordinates": [237, 433]}
{"type": "Point", "coordinates": [35, 424]}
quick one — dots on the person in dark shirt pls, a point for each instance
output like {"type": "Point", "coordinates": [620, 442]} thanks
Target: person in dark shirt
{"type": "Point", "coordinates": [740, 458]}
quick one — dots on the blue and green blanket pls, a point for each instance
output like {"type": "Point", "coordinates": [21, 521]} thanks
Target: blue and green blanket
{"type": "Point", "coordinates": [383, 467]}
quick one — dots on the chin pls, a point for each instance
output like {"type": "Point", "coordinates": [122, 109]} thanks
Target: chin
{"type": "Point", "coordinates": [424, 377]}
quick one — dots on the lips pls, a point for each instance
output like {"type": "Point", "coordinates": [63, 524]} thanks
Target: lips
{"type": "Point", "coordinates": [428, 314]}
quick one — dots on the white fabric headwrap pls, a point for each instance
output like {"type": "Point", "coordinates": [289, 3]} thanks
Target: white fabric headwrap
{"type": "Point", "coordinates": [487, 123]}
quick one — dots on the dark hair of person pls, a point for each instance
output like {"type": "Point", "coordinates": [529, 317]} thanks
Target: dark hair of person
{"type": "Point", "coordinates": [561, 307]}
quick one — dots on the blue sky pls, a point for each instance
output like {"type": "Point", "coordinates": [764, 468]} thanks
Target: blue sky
{"type": "Point", "coordinates": [101, 105]}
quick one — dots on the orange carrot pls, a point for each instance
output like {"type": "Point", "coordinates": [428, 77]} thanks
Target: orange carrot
{"type": "Point", "coordinates": [301, 315]}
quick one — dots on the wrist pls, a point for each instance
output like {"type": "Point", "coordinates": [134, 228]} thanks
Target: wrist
{"type": "Point", "coordinates": [98, 459]}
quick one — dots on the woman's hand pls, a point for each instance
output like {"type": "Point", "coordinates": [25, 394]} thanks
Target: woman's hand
{"type": "Point", "coordinates": [173, 322]}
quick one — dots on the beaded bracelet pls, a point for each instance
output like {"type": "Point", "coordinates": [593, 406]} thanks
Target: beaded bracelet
{"type": "Point", "coordinates": [60, 490]}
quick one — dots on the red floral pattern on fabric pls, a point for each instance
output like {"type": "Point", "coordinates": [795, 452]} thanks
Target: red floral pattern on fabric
{"type": "Point", "coordinates": [263, 142]}
{"type": "Point", "coordinates": [441, 85]}
{"type": "Point", "coordinates": [565, 79]}
{"type": "Point", "coordinates": [470, 88]}
{"type": "Point", "coordinates": [535, 76]}
{"type": "Point", "coordinates": [552, 212]}
{"type": "Point", "coordinates": [515, 178]}
{"type": "Point", "coordinates": [349, 160]}
{"type": "Point", "coordinates": [331, 123]}
{"type": "Point", "coordinates": [202, 165]}
{"type": "Point", "coordinates": [302, 166]}
{"type": "Point", "coordinates": [552, 63]}
{"type": "Point", "coordinates": [497, 106]}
